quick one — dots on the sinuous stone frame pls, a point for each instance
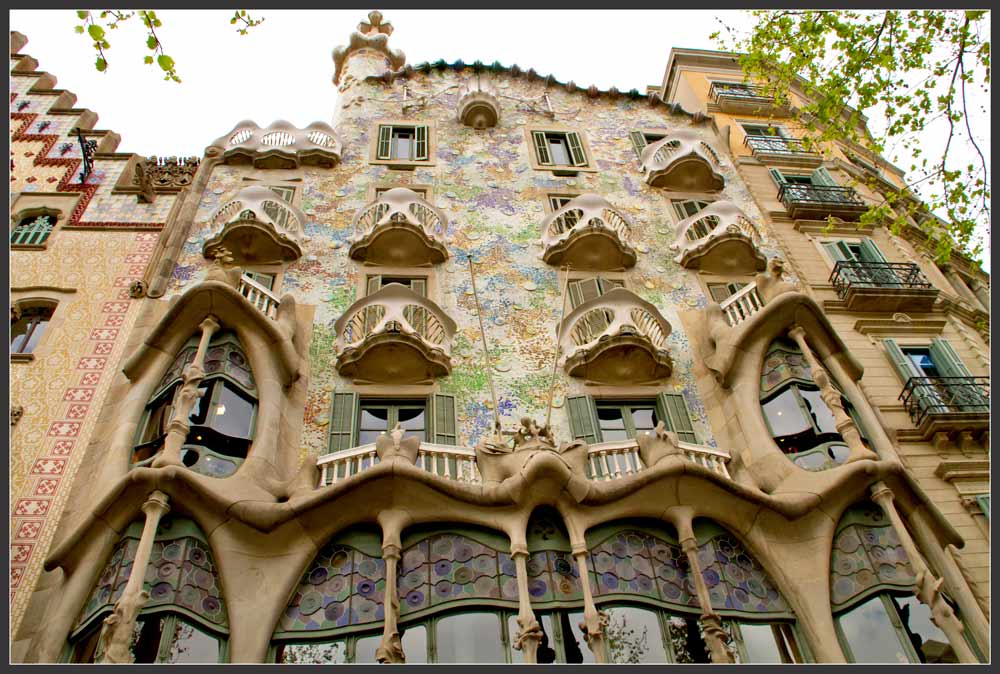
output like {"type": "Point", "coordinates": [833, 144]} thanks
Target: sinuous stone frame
{"type": "Point", "coordinates": [281, 145]}
{"type": "Point", "coordinates": [588, 233]}
{"type": "Point", "coordinates": [682, 161]}
{"type": "Point", "coordinates": [728, 241]}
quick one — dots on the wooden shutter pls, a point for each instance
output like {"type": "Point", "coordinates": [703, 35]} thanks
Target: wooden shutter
{"type": "Point", "coordinates": [904, 366]}
{"type": "Point", "coordinates": [374, 284]}
{"type": "Point", "coordinates": [584, 290]}
{"type": "Point", "coordinates": [835, 251]}
{"type": "Point", "coordinates": [576, 153]}
{"type": "Point", "coordinates": [541, 148]}
{"type": "Point", "coordinates": [822, 177]}
{"type": "Point", "coordinates": [343, 414]}
{"type": "Point", "coordinates": [776, 176]}
{"type": "Point", "coordinates": [420, 133]}
{"type": "Point", "coordinates": [946, 360]}
{"type": "Point", "coordinates": [419, 286]}
{"type": "Point", "coordinates": [638, 141]}
{"type": "Point", "coordinates": [384, 142]}
{"type": "Point", "coordinates": [870, 252]}
{"type": "Point", "coordinates": [984, 504]}
{"type": "Point", "coordinates": [443, 417]}
{"type": "Point", "coordinates": [583, 418]}
{"type": "Point", "coordinates": [674, 411]}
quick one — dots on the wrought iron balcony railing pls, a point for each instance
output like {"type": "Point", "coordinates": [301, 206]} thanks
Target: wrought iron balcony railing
{"type": "Point", "coordinates": [779, 145]}
{"type": "Point", "coordinates": [819, 194]}
{"type": "Point", "coordinates": [888, 275]}
{"type": "Point", "coordinates": [938, 396]}
{"type": "Point", "coordinates": [737, 90]}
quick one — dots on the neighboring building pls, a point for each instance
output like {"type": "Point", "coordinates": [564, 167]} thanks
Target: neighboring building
{"type": "Point", "coordinates": [300, 446]}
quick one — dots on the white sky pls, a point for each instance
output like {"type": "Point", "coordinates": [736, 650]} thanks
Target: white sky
{"type": "Point", "coordinates": [283, 68]}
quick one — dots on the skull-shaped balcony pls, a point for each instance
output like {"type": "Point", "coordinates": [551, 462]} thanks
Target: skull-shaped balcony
{"type": "Point", "coordinates": [400, 228]}
{"type": "Point", "coordinates": [257, 227]}
{"type": "Point", "coordinates": [616, 339]}
{"type": "Point", "coordinates": [280, 145]}
{"type": "Point", "coordinates": [587, 233]}
{"type": "Point", "coordinates": [682, 161]}
{"type": "Point", "coordinates": [719, 239]}
{"type": "Point", "coordinates": [394, 336]}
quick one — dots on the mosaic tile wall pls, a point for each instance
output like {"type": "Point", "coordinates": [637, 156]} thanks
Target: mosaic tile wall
{"type": "Point", "coordinates": [494, 200]}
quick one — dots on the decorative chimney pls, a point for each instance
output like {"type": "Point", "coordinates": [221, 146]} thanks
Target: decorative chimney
{"type": "Point", "coordinates": [369, 46]}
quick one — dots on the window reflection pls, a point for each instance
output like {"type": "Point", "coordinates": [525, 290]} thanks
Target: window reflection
{"type": "Point", "coordinates": [821, 414]}
{"type": "Point", "coordinates": [929, 642]}
{"type": "Point", "coordinates": [760, 643]}
{"type": "Point", "coordinates": [469, 637]}
{"type": "Point", "coordinates": [686, 640]}
{"type": "Point", "coordinates": [415, 644]}
{"type": "Point", "coordinates": [784, 415]}
{"type": "Point", "coordinates": [334, 653]}
{"type": "Point", "coordinates": [634, 636]}
{"type": "Point", "coordinates": [870, 635]}
{"type": "Point", "coordinates": [574, 642]}
{"type": "Point", "coordinates": [365, 647]}
{"type": "Point", "coordinates": [190, 645]}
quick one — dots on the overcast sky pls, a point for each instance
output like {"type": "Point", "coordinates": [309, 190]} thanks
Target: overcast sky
{"type": "Point", "coordinates": [283, 68]}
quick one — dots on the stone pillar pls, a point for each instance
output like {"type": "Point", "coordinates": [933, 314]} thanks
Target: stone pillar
{"type": "Point", "coordinates": [184, 398]}
{"type": "Point", "coordinates": [530, 634]}
{"type": "Point", "coordinates": [870, 415]}
{"type": "Point", "coordinates": [928, 587]}
{"type": "Point", "coordinates": [831, 396]}
{"type": "Point", "coordinates": [711, 624]}
{"type": "Point", "coordinates": [390, 651]}
{"type": "Point", "coordinates": [594, 621]}
{"type": "Point", "coordinates": [116, 633]}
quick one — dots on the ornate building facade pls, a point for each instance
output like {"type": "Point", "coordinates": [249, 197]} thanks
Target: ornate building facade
{"type": "Point", "coordinates": [493, 368]}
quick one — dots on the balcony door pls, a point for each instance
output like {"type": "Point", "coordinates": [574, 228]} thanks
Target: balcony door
{"type": "Point", "coordinates": [584, 290]}
{"type": "Point", "coordinates": [864, 264]}
{"type": "Point", "coordinates": [942, 383]}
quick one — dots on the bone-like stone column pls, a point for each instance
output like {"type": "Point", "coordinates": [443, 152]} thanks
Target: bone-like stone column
{"type": "Point", "coordinates": [390, 650]}
{"type": "Point", "coordinates": [594, 621]}
{"type": "Point", "coordinates": [831, 396]}
{"type": "Point", "coordinates": [184, 399]}
{"type": "Point", "coordinates": [715, 637]}
{"type": "Point", "coordinates": [530, 634]}
{"type": "Point", "coordinates": [870, 415]}
{"type": "Point", "coordinates": [928, 587]}
{"type": "Point", "coordinates": [116, 633]}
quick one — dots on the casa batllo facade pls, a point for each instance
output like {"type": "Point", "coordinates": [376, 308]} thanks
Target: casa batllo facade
{"type": "Point", "coordinates": [492, 368]}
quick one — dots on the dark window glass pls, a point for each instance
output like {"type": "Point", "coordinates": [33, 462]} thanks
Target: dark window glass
{"type": "Point", "coordinates": [374, 420]}
{"type": "Point", "coordinates": [921, 359]}
{"type": "Point", "coordinates": [146, 639]}
{"type": "Point", "coordinates": [411, 419]}
{"type": "Point", "coordinates": [784, 415]}
{"type": "Point", "coordinates": [26, 331]}
{"type": "Point", "coordinates": [574, 644]}
{"type": "Point", "coordinates": [612, 423]}
{"type": "Point", "coordinates": [232, 414]}
{"type": "Point", "coordinates": [929, 642]}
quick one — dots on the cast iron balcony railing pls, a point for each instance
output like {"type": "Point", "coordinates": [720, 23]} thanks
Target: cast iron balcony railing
{"type": "Point", "coordinates": [617, 338]}
{"type": "Point", "coordinates": [588, 233]}
{"type": "Point", "coordinates": [682, 161]}
{"type": "Point", "coordinates": [883, 286]}
{"type": "Point", "coordinates": [394, 336]}
{"type": "Point", "coordinates": [928, 397]}
{"type": "Point", "coordinates": [820, 201]}
{"type": "Point", "coordinates": [743, 98]}
{"type": "Point", "coordinates": [400, 228]}
{"type": "Point", "coordinates": [720, 239]}
{"type": "Point", "coordinates": [786, 150]}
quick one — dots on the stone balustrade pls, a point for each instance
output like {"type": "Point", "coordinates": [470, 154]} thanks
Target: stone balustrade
{"type": "Point", "coordinates": [739, 306]}
{"type": "Point", "coordinates": [259, 296]}
{"type": "Point", "coordinates": [280, 145]}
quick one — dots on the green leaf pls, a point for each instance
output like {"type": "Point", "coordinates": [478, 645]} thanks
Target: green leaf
{"type": "Point", "coordinates": [95, 32]}
{"type": "Point", "coordinates": [83, 14]}
{"type": "Point", "coordinates": [147, 59]}
{"type": "Point", "coordinates": [79, 29]}
{"type": "Point", "coordinates": [101, 64]}
{"type": "Point", "coordinates": [151, 42]}
{"type": "Point", "coordinates": [165, 62]}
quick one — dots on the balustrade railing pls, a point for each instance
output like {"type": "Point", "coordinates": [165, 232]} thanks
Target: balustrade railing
{"type": "Point", "coordinates": [889, 275]}
{"type": "Point", "coordinates": [923, 396]}
{"type": "Point", "coordinates": [586, 210]}
{"type": "Point", "coordinates": [259, 296]}
{"type": "Point", "coordinates": [776, 145]}
{"type": "Point", "coordinates": [612, 460]}
{"type": "Point", "coordinates": [742, 304]}
{"type": "Point", "coordinates": [616, 312]}
{"type": "Point", "coordinates": [450, 462]}
{"type": "Point", "coordinates": [401, 205]}
{"type": "Point", "coordinates": [713, 220]}
{"type": "Point", "coordinates": [395, 309]}
{"type": "Point", "coordinates": [737, 90]}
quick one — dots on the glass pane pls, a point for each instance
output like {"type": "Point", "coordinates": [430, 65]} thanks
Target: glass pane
{"type": "Point", "coordinates": [364, 649]}
{"type": "Point", "coordinates": [634, 636]}
{"type": "Point", "coordinates": [196, 415]}
{"type": "Point", "coordinates": [838, 453]}
{"type": "Point", "coordinates": [928, 640]}
{"type": "Point", "coordinates": [784, 415]}
{"type": "Point", "coordinates": [412, 419]}
{"type": "Point", "coordinates": [921, 358]}
{"type": "Point", "coordinates": [233, 414]}
{"type": "Point", "coordinates": [374, 418]}
{"type": "Point", "coordinates": [760, 643]}
{"type": "Point", "coordinates": [401, 146]}
{"type": "Point", "coordinates": [612, 423]}
{"type": "Point", "coordinates": [644, 418]}
{"type": "Point", "coordinates": [821, 413]}
{"type": "Point", "coordinates": [415, 644]}
{"type": "Point", "coordinates": [146, 639]}
{"type": "Point", "coordinates": [870, 635]}
{"type": "Point", "coordinates": [191, 645]}
{"type": "Point", "coordinates": [686, 640]}
{"type": "Point", "coordinates": [314, 654]}
{"type": "Point", "coordinates": [574, 644]}
{"type": "Point", "coordinates": [558, 150]}
{"type": "Point", "coordinates": [469, 637]}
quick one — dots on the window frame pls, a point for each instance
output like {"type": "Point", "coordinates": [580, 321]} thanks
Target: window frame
{"type": "Point", "coordinates": [589, 164]}
{"type": "Point", "coordinates": [33, 214]}
{"type": "Point", "coordinates": [393, 406]}
{"type": "Point", "coordinates": [677, 204]}
{"type": "Point", "coordinates": [425, 192]}
{"type": "Point", "coordinates": [376, 156]}
{"type": "Point", "coordinates": [644, 135]}
{"type": "Point", "coordinates": [31, 304]}
{"type": "Point", "coordinates": [623, 404]}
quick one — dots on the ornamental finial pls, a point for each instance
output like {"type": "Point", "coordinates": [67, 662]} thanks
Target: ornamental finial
{"type": "Point", "coordinates": [374, 24]}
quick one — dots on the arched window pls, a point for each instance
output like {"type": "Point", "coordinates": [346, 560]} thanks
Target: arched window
{"type": "Point", "coordinates": [183, 621]}
{"type": "Point", "coordinates": [28, 323]}
{"type": "Point", "coordinates": [801, 423]}
{"type": "Point", "coordinates": [33, 230]}
{"type": "Point", "coordinates": [222, 420]}
{"type": "Point", "coordinates": [871, 591]}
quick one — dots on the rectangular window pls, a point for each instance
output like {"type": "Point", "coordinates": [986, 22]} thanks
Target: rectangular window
{"type": "Point", "coordinates": [763, 130]}
{"type": "Point", "coordinates": [685, 208]}
{"type": "Point", "coordinates": [417, 284]}
{"type": "Point", "coordinates": [723, 291]}
{"type": "Point", "coordinates": [357, 421]}
{"type": "Point", "coordinates": [27, 330]}
{"type": "Point", "coordinates": [402, 143]}
{"type": "Point", "coordinates": [378, 416]}
{"type": "Point", "coordinates": [624, 421]}
{"type": "Point", "coordinates": [559, 149]}
{"type": "Point", "coordinates": [606, 420]}
{"type": "Point", "coordinates": [640, 139]}
{"type": "Point", "coordinates": [984, 504]}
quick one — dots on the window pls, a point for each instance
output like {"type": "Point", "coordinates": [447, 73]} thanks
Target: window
{"type": "Point", "coordinates": [685, 208]}
{"type": "Point", "coordinates": [402, 143]}
{"type": "Point", "coordinates": [33, 231]}
{"type": "Point", "coordinates": [640, 139]}
{"type": "Point", "coordinates": [277, 214]}
{"type": "Point", "coordinates": [943, 383]}
{"type": "Point", "coordinates": [818, 178]}
{"type": "Point", "coordinates": [720, 292]}
{"type": "Point", "coordinates": [984, 504]}
{"type": "Point", "coordinates": [420, 191]}
{"type": "Point", "coordinates": [609, 420]}
{"type": "Point", "coordinates": [261, 278]}
{"type": "Point", "coordinates": [764, 130]}
{"type": "Point", "coordinates": [417, 284]}
{"type": "Point", "coordinates": [356, 421]}
{"type": "Point", "coordinates": [559, 149]}
{"type": "Point", "coordinates": [889, 628]}
{"type": "Point", "coordinates": [27, 330]}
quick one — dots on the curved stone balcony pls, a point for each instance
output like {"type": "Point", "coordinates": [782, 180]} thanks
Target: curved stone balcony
{"type": "Point", "coordinates": [682, 161]}
{"type": "Point", "coordinates": [588, 233]}
{"type": "Point", "coordinates": [394, 336]}
{"type": "Point", "coordinates": [257, 227]}
{"type": "Point", "coordinates": [400, 228]}
{"type": "Point", "coordinates": [281, 145]}
{"type": "Point", "coordinates": [719, 239]}
{"type": "Point", "coordinates": [478, 106]}
{"type": "Point", "coordinates": [617, 338]}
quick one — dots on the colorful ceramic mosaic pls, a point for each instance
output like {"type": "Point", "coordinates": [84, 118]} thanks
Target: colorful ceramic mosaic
{"type": "Point", "coordinates": [446, 568]}
{"type": "Point", "coordinates": [866, 555]}
{"type": "Point", "coordinates": [342, 587]}
{"type": "Point", "coordinates": [181, 573]}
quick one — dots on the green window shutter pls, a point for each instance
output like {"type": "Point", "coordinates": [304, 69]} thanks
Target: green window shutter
{"type": "Point", "coordinates": [541, 148]}
{"type": "Point", "coordinates": [776, 176]}
{"type": "Point", "coordinates": [835, 251]}
{"type": "Point", "coordinates": [576, 152]}
{"type": "Point", "coordinates": [443, 418]}
{"type": "Point", "coordinates": [421, 136]}
{"type": "Point", "coordinates": [984, 504]}
{"type": "Point", "coordinates": [870, 251]}
{"type": "Point", "coordinates": [374, 284]}
{"type": "Point", "coordinates": [419, 286]}
{"type": "Point", "coordinates": [904, 366]}
{"type": "Point", "coordinates": [584, 290]}
{"type": "Point", "coordinates": [342, 416]}
{"type": "Point", "coordinates": [822, 177]}
{"type": "Point", "coordinates": [946, 360]}
{"type": "Point", "coordinates": [384, 142]}
{"type": "Point", "coordinates": [583, 418]}
{"type": "Point", "coordinates": [638, 141]}
{"type": "Point", "coordinates": [675, 413]}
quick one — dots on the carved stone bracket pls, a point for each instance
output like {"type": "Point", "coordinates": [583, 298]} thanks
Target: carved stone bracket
{"type": "Point", "coordinates": [16, 412]}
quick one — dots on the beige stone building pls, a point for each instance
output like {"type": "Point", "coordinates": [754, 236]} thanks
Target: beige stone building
{"type": "Point", "coordinates": [492, 368]}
